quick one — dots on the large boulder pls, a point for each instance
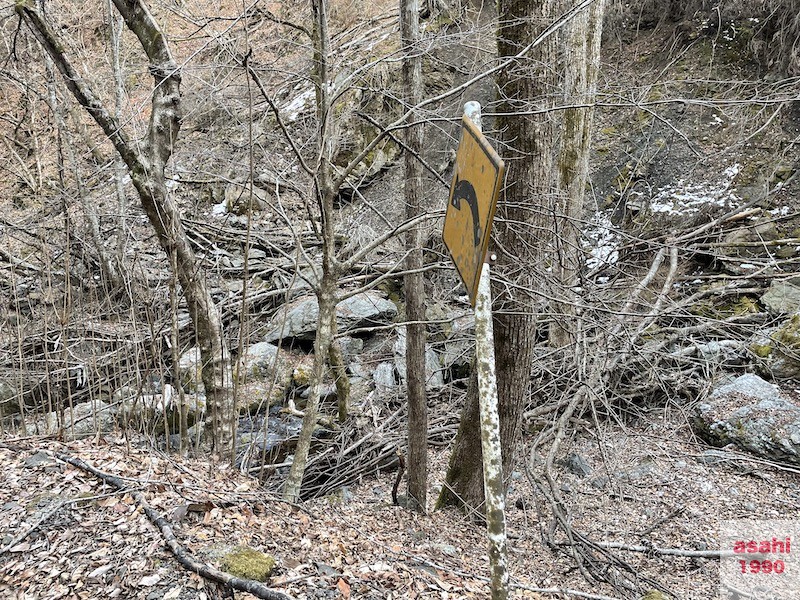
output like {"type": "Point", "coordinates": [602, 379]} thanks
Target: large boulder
{"type": "Point", "coordinates": [779, 347]}
{"type": "Point", "coordinates": [384, 377]}
{"type": "Point", "coordinates": [81, 421]}
{"type": "Point", "coordinates": [299, 319]}
{"type": "Point", "coordinates": [191, 372]}
{"type": "Point", "coordinates": [267, 372]}
{"type": "Point", "coordinates": [753, 414]}
{"type": "Point", "coordinates": [9, 403]}
{"type": "Point", "coordinates": [783, 297]}
{"type": "Point", "coordinates": [458, 348]}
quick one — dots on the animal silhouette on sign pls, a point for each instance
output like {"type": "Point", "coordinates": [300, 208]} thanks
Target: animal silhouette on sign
{"type": "Point", "coordinates": [465, 191]}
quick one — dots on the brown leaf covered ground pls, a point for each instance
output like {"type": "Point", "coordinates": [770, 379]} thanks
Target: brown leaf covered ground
{"type": "Point", "coordinates": [649, 486]}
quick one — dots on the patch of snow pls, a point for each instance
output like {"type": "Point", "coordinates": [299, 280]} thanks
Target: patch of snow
{"type": "Point", "coordinates": [689, 198]}
{"type": "Point", "coordinates": [219, 209]}
{"type": "Point", "coordinates": [601, 241]}
{"type": "Point", "coordinates": [747, 266]}
{"type": "Point", "coordinates": [732, 171]}
{"type": "Point", "coordinates": [292, 110]}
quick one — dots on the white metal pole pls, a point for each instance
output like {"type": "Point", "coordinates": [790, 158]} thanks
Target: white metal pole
{"type": "Point", "coordinates": [490, 420]}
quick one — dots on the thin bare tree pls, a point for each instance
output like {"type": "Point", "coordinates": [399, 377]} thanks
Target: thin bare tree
{"type": "Point", "coordinates": [414, 283]}
{"type": "Point", "coordinates": [146, 162]}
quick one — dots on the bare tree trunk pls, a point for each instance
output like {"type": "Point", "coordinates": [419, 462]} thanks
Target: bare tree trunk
{"type": "Point", "coordinates": [322, 344]}
{"type": "Point", "coordinates": [146, 167]}
{"type": "Point", "coordinates": [328, 278]}
{"type": "Point", "coordinates": [581, 66]}
{"type": "Point", "coordinates": [528, 205]}
{"type": "Point", "coordinates": [414, 282]}
{"type": "Point", "coordinates": [115, 39]}
{"type": "Point", "coordinates": [339, 369]}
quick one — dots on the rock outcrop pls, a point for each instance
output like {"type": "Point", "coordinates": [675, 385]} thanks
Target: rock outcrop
{"type": "Point", "coordinates": [754, 415]}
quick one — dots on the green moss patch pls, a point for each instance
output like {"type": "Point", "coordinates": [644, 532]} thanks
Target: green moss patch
{"type": "Point", "coordinates": [247, 563]}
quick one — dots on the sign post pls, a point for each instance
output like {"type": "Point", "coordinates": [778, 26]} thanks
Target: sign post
{"type": "Point", "coordinates": [476, 184]}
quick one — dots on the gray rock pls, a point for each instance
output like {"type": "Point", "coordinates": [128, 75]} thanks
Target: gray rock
{"type": "Point", "coordinates": [383, 376]}
{"type": "Point", "coordinates": [753, 414]}
{"type": "Point", "coordinates": [299, 319]}
{"type": "Point", "coordinates": [456, 358]}
{"type": "Point", "coordinates": [270, 367]}
{"type": "Point", "coordinates": [266, 369]}
{"type": "Point", "coordinates": [636, 473]}
{"type": "Point", "coordinates": [776, 346]}
{"type": "Point", "coordinates": [783, 297]}
{"type": "Point", "coordinates": [577, 465]}
{"type": "Point", "coordinates": [458, 346]}
{"type": "Point", "coordinates": [40, 459]}
{"type": "Point", "coordinates": [351, 347]}
{"type": "Point", "coordinates": [358, 369]}
{"type": "Point", "coordinates": [280, 429]}
{"type": "Point", "coordinates": [434, 377]}
{"type": "Point", "coordinates": [9, 403]}
{"type": "Point", "coordinates": [191, 372]}
{"type": "Point", "coordinates": [81, 421]}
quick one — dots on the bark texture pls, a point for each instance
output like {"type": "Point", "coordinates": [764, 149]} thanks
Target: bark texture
{"type": "Point", "coordinates": [581, 65]}
{"type": "Point", "coordinates": [525, 234]}
{"type": "Point", "coordinates": [414, 283]}
{"type": "Point", "coordinates": [325, 189]}
{"type": "Point", "coordinates": [146, 163]}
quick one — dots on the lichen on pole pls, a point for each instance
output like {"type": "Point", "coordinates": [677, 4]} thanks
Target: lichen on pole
{"type": "Point", "coordinates": [490, 420]}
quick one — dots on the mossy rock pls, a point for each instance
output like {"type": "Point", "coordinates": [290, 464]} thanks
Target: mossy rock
{"type": "Point", "coordinates": [248, 563]}
{"type": "Point", "coordinates": [780, 350]}
{"type": "Point", "coordinates": [654, 595]}
{"type": "Point", "coordinates": [761, 350]}
{"type": "Point", "coordinates": [743, 305]}
{"type": "Point", "coordinates": [303, 372]}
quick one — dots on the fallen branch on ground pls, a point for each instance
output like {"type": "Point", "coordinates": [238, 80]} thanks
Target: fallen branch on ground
{"type": "Point", "coordinates": [245, 585]}
{"type": "Point", "coordinates": [712, 554]}
{"type": "Point", "coordinates": [21, 536]}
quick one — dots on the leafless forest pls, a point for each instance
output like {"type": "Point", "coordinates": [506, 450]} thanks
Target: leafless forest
{"type": "Point", "coordinates": [236, 360]}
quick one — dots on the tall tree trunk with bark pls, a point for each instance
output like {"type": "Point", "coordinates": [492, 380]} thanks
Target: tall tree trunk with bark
{"type": "Point", "coordinates": [526, 240]}
{"type": "Point", "coordinates": [146, 164]}
{"type": "Point", "coordinates": [414, 282]}
{"type": "Point", "coordinates": [581, 67]}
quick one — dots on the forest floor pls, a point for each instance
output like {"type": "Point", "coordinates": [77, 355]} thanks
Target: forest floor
{"type": "Point", "coordinates": [648, 485]}
{"type": "Point", "coordinates": [651, 486]}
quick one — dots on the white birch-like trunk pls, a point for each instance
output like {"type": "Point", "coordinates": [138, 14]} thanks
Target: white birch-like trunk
{"type": "Point", "coordinates": [493, 485]}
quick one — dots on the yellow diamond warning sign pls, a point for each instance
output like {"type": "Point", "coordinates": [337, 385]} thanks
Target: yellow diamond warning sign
{"type": "Point", "coordinates": [473, 200]}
